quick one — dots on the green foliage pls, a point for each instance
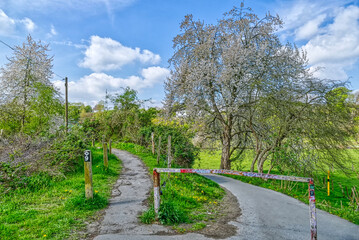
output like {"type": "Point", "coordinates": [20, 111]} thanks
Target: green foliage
{"type": "Point", "coordinates": [182, 148]}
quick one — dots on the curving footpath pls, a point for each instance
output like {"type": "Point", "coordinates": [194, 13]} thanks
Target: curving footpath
{"type": "Point", "coordinates": [266, 214]}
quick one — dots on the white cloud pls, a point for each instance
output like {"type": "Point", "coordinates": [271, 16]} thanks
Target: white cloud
{"type": "Point", "coordinates": [310, 28]}
{"type": "Point", "coordinates": [28, 23]}
{"type": "Point", "coordinates": [328, 31]}
{"type": "Point", "coordinates": [337, 47]}
{"type": "Point", "coordinates": [107, 54]}
{"type": "Point", "coordinates": [53, 30]}
{"type": "Point", "coordinates": [339, 42]}
{"type": "Point", "coordinates": [92, 88]}
{"type": "Point", "coordinates": [8, 25]}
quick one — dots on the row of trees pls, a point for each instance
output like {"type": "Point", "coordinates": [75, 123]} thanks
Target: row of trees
{"type": "Point", "coordinates": [247, 90]}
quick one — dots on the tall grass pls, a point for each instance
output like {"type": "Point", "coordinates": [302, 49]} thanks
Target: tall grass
{"type": "Point", "coordinates": [56, 208]}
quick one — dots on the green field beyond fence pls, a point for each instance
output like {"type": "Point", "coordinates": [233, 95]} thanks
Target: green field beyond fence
{"type": "Point", "coordinates": [341, 202]}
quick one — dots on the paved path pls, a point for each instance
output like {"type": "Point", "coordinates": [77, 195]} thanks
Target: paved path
{"type": "Point", "coordinates": [266, 214]}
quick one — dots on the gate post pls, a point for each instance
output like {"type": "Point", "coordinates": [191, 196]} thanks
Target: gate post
{"type": "Point", "coordinates": [312, 211]}
{"type": "Point", "coordinates": [156, 191]}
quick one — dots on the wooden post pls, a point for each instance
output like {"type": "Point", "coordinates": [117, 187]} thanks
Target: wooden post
{"type": "Point", "coordinates": [110, 146]}
{"type": "Point", "coordinates": [88, 174]}
{"type": "Point", "coordinates": [105, 156]}
{"type": "Point", "coordinates": [169, 158]}
{"type": "Point", "coordinates": [156, 191]}
{"type": "Point", "coordinates": [312, 211]}
{"type": "Point", "coordinates": [153, 143]}
{"type": "Point", "coordinates": [159, 150]}
{"type": "Point", "coordinates": [66, 105]}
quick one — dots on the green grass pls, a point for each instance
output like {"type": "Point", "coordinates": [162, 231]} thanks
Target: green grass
{"type": "Point", "coordinates": [339, 202]}
{"type": "Point", "coordinates": [59, 208]}
{"type": "Point", "coordinates": [186, 198]}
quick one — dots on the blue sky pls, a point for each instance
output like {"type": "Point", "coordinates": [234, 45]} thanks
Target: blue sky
{"type": "Point", "coordinates": [109, 44]}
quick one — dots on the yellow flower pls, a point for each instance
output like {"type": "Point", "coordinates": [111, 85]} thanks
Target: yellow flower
{"type": "Point", "coordinates": [70, 191]}
{"type": "Point", "coordinates": [66, 190]}
{"type": "Point", "coordinates": [96, 191]}
{"type": "Point", "coordinates": [45, 235]}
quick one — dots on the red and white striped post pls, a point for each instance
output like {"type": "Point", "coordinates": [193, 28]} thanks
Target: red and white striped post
{"type": "Point", "coordinates": [156, 191]}
{"type": "Point", "coordinates": [312, 211]}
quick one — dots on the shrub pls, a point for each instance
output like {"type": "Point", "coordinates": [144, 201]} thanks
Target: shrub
{"type": "Point", "coordinates": [182, 148]}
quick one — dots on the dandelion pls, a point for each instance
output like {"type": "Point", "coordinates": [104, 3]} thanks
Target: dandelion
{"type": "Point", "coordinates": [45, 235]}
{"type": "Point", "coordinates": [70, 191]}
{"type": "Point", "coordinates": [96, 191]}
{"type": "Point", "coordinates": [66, 190]}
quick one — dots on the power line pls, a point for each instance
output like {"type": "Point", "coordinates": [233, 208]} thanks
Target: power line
{"type": "Point", "coordinates": [7, 45]}
{"type": "Point", "coordinates": [63, 78]}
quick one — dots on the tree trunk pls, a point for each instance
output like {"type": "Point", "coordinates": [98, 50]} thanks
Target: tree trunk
{"type": "Point", "coordinates": [226, 149]}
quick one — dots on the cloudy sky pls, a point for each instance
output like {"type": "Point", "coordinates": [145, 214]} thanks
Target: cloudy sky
{"type": "Point", "coordinates": [110, 44]}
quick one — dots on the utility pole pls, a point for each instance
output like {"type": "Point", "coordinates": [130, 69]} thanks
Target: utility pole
{"type": "Point", "coordinates": [66, 105]}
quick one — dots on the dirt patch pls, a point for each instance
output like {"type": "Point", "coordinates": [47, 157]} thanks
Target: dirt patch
{"type": "Point", "coordinates": [228, 211]}
{"type": "Point", "coordinates": [218, 226]}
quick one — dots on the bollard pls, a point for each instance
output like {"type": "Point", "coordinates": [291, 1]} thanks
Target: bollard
{"type": "Point", "coordinates": [88, 174]}
{"type": "Point", "coordinates": [156, 191]}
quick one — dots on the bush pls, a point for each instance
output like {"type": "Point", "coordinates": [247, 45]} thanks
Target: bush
{"type": "Point", "coordinates": [182, 148]}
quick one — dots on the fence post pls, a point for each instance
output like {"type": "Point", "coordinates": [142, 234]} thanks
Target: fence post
{"type": "Point", "coordinates": [88, 174]}
{"type": "Point", "coordinates": [156, 191]}
{"type": "Point", "coordinates": [169, 157]}
{"type": "Point", "coordinates": [153, 143]}
{"type": "Point", "coordinates": [159, 150]}
{"type": "Point", "coordinates": [110, 146]}
{"type": "Point", "coordinates": [312, 211]}
{"type": "Point", "coordinates": [105, 156]}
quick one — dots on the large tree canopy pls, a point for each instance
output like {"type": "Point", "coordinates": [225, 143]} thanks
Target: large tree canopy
{"type": "Point", "coordinates": [246, 87]}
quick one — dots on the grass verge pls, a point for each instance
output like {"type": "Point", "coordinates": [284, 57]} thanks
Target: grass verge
{"type": "Point", "coordinates": [186, 198]}
{"type": "Point", "coordinates": [57, 209]}
{"type": "Point", "coordinates": [340, 202]}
